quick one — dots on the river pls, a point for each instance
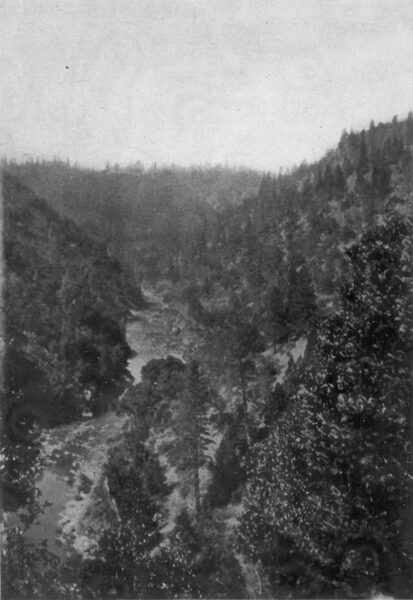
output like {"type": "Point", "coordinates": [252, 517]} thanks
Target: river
{"type": "Point", "coordinates": [74, 455]}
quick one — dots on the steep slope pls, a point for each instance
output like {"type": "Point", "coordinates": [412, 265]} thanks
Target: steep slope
{"type": "Point", "coordinates": [144, 218]}
{"type": "Point", "coordinates": [278, 249]}
{"type": "Point", "coordinates": [66, 305]}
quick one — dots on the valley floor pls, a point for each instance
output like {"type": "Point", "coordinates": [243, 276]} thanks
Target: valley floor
{"type": "Point", "coordinates": [72, 483]}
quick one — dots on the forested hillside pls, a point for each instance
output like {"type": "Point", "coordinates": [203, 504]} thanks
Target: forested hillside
{"type": "Point", "coordinates": [281, 253]}
{"type": "Point", "coordinates": [66, 304]}
{"type": "Point", "coordinates": [273, 456]}
{"type": "Point", "coordinates": [145, 218]}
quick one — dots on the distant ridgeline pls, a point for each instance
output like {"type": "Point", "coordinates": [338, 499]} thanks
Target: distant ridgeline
{"type": "Point", "coordinates": [269, 250]}
{"type": "Point", "coordinates": [149, 220]}
{"type": "Point", "coordinates": [66, 305]}
{"type": "Point", "coordinates": [280, 254]}
{"type": "Point", "coordinates": [277, 243]}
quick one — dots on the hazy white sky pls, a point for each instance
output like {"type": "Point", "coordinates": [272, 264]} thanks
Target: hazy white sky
{"type": "Point", "coordinates": [262, 83]}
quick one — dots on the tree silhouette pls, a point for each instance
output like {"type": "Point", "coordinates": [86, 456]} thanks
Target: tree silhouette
{"type": "Point", "coordinates": [187, 449]}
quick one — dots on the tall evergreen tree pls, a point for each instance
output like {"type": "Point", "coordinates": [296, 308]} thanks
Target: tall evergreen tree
{"type": "Point", "coordinates": [409, 129]}
{"type": "Point", "coordinates": [363, 159]}
{"type": "Point", "coordinates": [187, 451]}
{"type": "Point", "coordinates": [339, 179]}
{"type": "Point", "coordinates": [328, 179]}
{"type": "Point", "coordinates": [332, 486]}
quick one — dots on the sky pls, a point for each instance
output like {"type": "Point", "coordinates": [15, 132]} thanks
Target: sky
{"type": "Point", "coordinates": [258, 83]}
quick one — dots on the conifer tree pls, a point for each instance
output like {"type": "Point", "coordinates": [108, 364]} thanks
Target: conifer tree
{"type": "Point", "coordinates": [189, 424]}
{"type": "Point", "coordinates": [371, 136]}
{"type": "Point", "coordinates": [333, 484]}
{"type": "Point", "coordinates": [363, 159]}
{"type": "Point", "coordinates": [328, 179]}
{"type": "Point", "coordinates": [339, 179]}
{"type": "Point", "coordinates": [409, 129]}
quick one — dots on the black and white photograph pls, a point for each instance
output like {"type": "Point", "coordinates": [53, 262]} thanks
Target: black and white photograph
{"type": "Point", "coordinates": [206, 277]}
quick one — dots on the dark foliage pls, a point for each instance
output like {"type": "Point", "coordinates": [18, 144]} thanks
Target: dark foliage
{"type": "Point", "coordinates": [66, 304]}
{"type": "Point", "coordinates": [332, 484]}
{"type": "Point", "coordinates": [228, 469]}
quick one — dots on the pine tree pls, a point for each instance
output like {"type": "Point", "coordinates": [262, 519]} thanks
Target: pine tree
{"type": "Point", "coordinates": [339, 179]}
{"type": "Point", "coordinates": [300, 304]}
{"type": "Point", "coordinates": [228, 471]}
{"type": "Point", "coordinates": [347, 166]}
{"type": "Point", "coordinates": [372, 138]}
{"type": "Point", "coordinates": [363, 160]}
{"type": "Point", "coordinates": [333, 483]}
{"type": "Point", "coordinates": [328, 179]}
{"type": "Point", "coordinates": [381, 180]}
{"type": "Point", "coordinates": [187, 451]}
{"type": "Point", "coordinates": [265, 192]}
{"type": "Point", "coordinates": [409, 129]}
{"type": "Point", "coordinates": [319, 182]}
